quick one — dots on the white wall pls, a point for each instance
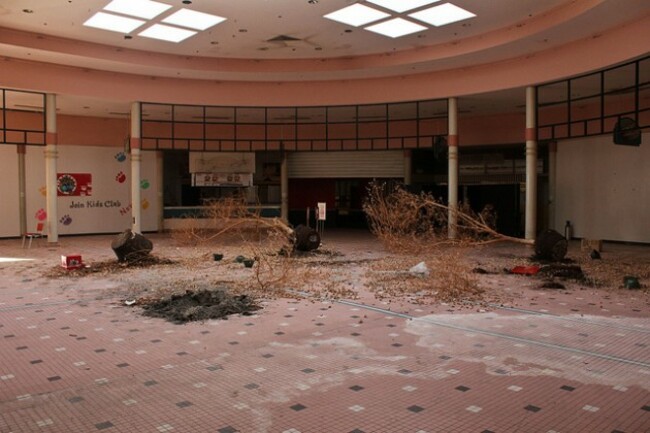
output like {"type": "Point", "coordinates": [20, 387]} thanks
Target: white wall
{"type": "Point", "coordinates": [9, 197]}
{"type": "Point", "coordinates": [106, 210]}
{"type": "Point", "coordinates": [604, 189]}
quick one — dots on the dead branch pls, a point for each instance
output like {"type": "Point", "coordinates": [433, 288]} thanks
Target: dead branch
{"type": "Point", "coordinates": [405, 221]}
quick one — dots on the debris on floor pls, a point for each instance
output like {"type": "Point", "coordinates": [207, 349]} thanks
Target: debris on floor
{"type": "Point", "coordinates": [630, 282]}
{"type": "Point", "coordinates": [566, 272]}
{"type": "Point", "coordinates": [107, 267]}
{"type": "Point", "coordinates": [199, 306]}
{"type": "Point", "coordinates": [525, 270]}
{"type": "Point", "coordinates": [420, 270]}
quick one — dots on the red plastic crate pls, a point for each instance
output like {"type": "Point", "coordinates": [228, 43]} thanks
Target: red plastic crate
{"type": "Point", "coordinates": [72, 261]}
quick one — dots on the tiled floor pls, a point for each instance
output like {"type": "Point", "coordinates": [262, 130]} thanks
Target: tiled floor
{"type": "Point", "coordinates": [74, 359]}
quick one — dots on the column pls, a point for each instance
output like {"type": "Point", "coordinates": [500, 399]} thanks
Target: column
{"type": "Point", "coordinates": [552, 185]}
{"type": "Point", "coordinates": [22, 195]}
{"type": "Point", "coordinates": [408, 167]}
{"type": "Point", "coordinates": [284, 187]}
{"type": "Point", "coordinates": [136, 158]}
{"type": "Point", "coordinates": [531, 164]}
{"type": "Point", "coordinates": [452, 142]}
{"type": "Point", "coordinates": [51, 155]}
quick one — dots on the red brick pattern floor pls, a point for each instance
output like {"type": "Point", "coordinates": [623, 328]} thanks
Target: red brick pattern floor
{"type": "Point", "coordinates": [78, 361]}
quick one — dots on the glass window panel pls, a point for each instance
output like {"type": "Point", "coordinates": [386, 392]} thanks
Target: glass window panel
{"type": "Point", "coordinates": [552, 93]}
{"type": "Point", "coordinates": [220, 114]}
{"type": "Point", "coordinates": [435, 108]}
{"type": "Point", "coordinates": [157, 129]}
{"type": "Point", "coordinates": [644, 97]}
{"type": "Point", "coordinates": [621, 79]}
{"type": "Point", "coordinates": [407, 110]}
{"type": "Point", "coordinates": [157, 112]}
{"type": "Point", "coordinates": [372, 129]}
{"type": "Point", "coordinates": [312, 132]}
{"type": "Point", "coordinates": [342, 130]}
{"type": "Point", "coordinates": [342, 114]}
{"type": "Point", "coordinates": [250, 132]}
{"type": "Point", "coordinates": [188, 113]}
{"type": "Point", "coordinates": [311, 115]}
{"type": "Point", "coordinates": [282, 115]}
{"type": "Point", "coordinates": [619, 103]}
{"type": "Point", "coordinates": [644, 71]}
{"type": "Point", "coordinates": [585, 86]}
{"type": "Point", "coordinates": [372, 113]}
{"type": "Point", "coordinates": [250, 115]}
{"type": "Point", "coordinates": [188, 130]}
{"type": "Point", "coordinates": [552, 114]}
{"type": "Point", "coordinates": [588, 108]}
{"type": "Point", "coordinates": [220, 132]}
{"type": "Point", "coordinates": [25, 101]}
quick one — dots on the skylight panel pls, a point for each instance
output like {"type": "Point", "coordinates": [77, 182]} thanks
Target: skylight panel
{"type": "Point", "coordinates": [113, 23]}
{"type": "Point", "coordinates": [193, 19]}
{"type": "Point", "coordinates": [402, 5]}
{"type": "Point", "coordinates": [146, 9]}
{"type": "Point", "coordinates": [356, 15]}
{"type": "Point", "coordinates": [167, 33]}
{"type": "Point", "coordinates": [396, 28]}
{"type": "Point", "coordinates": [442, 15]}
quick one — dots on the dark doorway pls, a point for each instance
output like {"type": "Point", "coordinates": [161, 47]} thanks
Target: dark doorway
{"type": "Point", "coordinates": [504, 198]}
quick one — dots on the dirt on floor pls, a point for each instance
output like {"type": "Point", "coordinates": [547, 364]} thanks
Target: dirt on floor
{"type": "Point", "coordinates": [199, 306]}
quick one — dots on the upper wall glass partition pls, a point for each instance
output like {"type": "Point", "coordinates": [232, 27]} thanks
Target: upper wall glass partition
{"type": "Point", "coordinates": [593, 104]}
{"type": "Point", "coordinates": [22, 117]}
{"type": "Point", "coordinates": [407, 125]}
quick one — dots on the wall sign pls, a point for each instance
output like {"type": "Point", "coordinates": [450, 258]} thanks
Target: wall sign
{"type": "Point", "coordinates": [74, 184]}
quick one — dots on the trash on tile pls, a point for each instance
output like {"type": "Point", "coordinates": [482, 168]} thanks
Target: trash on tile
{"type": "Point", "coordinates": [631, 282]}
{"type": "Point", "coordinates": [525, 270]}
{"type": "Point", "coordinates": [420, 269]}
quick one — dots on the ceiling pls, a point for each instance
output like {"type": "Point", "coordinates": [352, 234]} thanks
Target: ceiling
{"type": "Point", "coordinates": [289, 40]}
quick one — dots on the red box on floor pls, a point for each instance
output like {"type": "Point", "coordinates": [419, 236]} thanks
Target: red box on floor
{"type": "Point", "coordinates": [72, 262]}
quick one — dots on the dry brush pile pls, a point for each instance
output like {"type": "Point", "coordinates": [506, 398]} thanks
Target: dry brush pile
{"type": "Point", "coordinates": [416, 226]}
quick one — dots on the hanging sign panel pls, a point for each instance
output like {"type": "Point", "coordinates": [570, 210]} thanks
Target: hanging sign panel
{"type": "Point", "coordinates": [222, 179]}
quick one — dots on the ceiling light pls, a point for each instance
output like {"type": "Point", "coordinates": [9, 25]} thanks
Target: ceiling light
{"type": "Point", "coordinates": [402, 5]}
{"type": "Point", "coordinates": [146, 9]}
{"type": "Point", "coordinates": [166, 33]}
{"type": "Point", "coordinates": [442, 15]}
{"type": "Point", "coordinates": [396, 27]}
{"type": "Point", "coordinates": [113, 23]}
{"type": "Point", "coordinates": [356, 15]}
{"type": "Point", "coordinates": [193, 19]}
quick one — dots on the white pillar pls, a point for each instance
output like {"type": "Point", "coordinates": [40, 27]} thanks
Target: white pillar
{"type": "Point", "coordinates": [452, 142]}
{"type": "Point", "coordinates": [552, 185]}
{"type": "Point", "coordinates": [531, 165]}
{"type": "Point", "coordinates": [51, 155]}
{"type": "Point", "coordinates": [160, 166]}
{"type": "Point", "coordinates": [284, 187]}
{"type": "Point", "coordinates": [136, 157]}
{"type": "Point", "coordinates": [408, 167]}
{"type": "Point", "coordinates": [22, 195]}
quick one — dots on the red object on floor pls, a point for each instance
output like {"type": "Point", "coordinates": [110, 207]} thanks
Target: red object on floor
{"type": "Point", "coordinates": [72, 262]}
{"type": "Point", "coordinates": [525, 270]}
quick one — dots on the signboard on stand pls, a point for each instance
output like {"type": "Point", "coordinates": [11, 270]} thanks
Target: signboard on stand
{"type": "Point", "coordinates": [321, 214]}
